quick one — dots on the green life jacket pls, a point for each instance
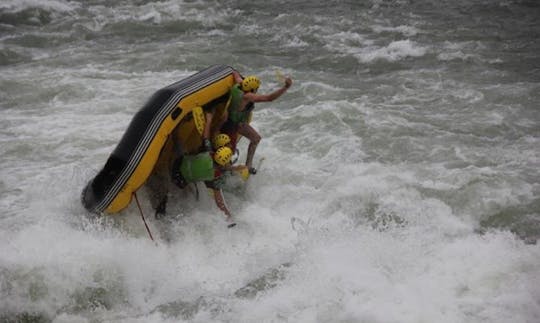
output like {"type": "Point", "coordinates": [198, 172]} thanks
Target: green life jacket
{"type": "Point", "coordinates": [195, 168]}
{"type": "Point", "coordinates": [235, 115]}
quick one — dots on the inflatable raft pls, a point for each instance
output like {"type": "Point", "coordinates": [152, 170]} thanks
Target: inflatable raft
{"type": "Point", "coordinates": [148, 140]}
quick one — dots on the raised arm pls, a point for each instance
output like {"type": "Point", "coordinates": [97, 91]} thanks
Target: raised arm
{"type": "Point", "coordinates": [253, 97]}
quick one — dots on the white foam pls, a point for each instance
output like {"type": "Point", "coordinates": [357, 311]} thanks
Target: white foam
{"type": "Point", "coordinates": [395, 51]}
{"type": "Point", "coordinates": [405, 30]}
{"type": "Point", "coordinates": [54, 5]}
{"type": "Point", "coordinates": [340, 223]}
{"type": "Point", "coordinates": [361, 241]}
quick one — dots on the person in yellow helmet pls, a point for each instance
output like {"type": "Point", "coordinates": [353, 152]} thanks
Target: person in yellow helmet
{"type": "Point", "coordinates": [243, 97]}
{"type": "Point", "coordinates": [221, 140]}
{"type": "Point", "coordinates": [209, 168]}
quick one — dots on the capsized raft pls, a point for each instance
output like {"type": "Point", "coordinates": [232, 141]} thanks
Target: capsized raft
{"type": "Point", "coordinates": [150, 133]}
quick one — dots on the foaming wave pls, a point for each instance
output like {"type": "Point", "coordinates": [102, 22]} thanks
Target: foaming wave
{"type": "Point", "coordinates": [49, 5]}
{"type": "Point", "coordinates": [405, 30]}
{"type": "Point", "coordinates": [366, 51]}
{"type": "Point", "coordinates": [34, 12]}
{"type": "Point", "coordinates": [458, 51]}
{"type": "Point", "coordinates": [362, 275]}
{"type": "Point", "coordinates": [167, 13]}
{"type": "Point", "coordinates": [395, 51]}
{"type": "Point", "coordinates": [372, 245]}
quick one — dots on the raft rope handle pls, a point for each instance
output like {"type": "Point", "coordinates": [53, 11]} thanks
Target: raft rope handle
{"type": "Point", "coordinates": [142, 216]}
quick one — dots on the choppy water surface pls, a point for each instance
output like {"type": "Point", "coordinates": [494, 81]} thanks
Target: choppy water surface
{"type": "Point", "coordinates": [401, 181]}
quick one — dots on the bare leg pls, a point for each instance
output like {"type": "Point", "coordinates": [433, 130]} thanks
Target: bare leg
{"type": "Point", "coordinates": [249, 132]}
{"type": "Point", "coordinates": [206, 132]}
{"type": "Point", "coordinates": [157, 185]}
{"type": "Point", "coordinates": [207, 125]}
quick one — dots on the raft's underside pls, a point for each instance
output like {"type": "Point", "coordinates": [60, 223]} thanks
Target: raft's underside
{"type": "Point", "coordinates": [148, 137]}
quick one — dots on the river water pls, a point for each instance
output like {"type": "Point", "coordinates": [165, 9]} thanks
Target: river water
{"type": "Point", "coordinates": [401, 180]}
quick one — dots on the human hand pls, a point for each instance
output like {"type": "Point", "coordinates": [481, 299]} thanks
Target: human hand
{"type": "Point", "coordinates": [288, 82]}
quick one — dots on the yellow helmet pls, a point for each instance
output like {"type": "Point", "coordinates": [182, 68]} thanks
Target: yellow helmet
{"type": "Point", "coordinates": [221, 140]}
{"type": "Point", "coordinates": [251, 84]}
{"type": "Point", "coordinates": [223, 156]}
